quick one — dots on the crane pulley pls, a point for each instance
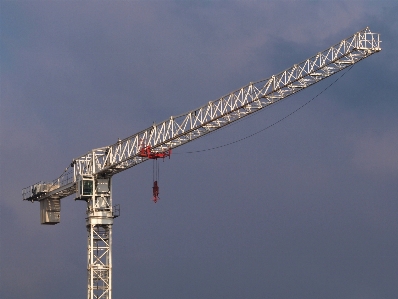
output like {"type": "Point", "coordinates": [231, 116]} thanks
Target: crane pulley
{"type": "Point", "coordinates": [146, 152]}
{"type": "Point", "coordinates": [91, 177]}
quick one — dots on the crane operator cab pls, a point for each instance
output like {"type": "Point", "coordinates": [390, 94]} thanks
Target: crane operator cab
{"type": "Point", "coordinates": [96, 191]}
{"type": "Point", "coordinates": [85, 188]}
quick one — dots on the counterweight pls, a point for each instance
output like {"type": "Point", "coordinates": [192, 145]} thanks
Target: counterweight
{"type": "Point", "coordinates": [91, 174]}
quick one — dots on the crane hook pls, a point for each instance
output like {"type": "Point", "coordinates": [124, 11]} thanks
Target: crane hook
{"type": "Point", "coordinates": [155, 190]}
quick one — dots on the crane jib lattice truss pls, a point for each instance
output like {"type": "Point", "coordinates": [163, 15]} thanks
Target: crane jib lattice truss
{"type": "Point", "coordinates": [91, 176]}
{"type": "Point", "coordinates": [178, 130]}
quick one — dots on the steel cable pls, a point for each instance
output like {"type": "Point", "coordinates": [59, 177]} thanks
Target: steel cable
{"type": "Point", "coordinates": [273, 124]}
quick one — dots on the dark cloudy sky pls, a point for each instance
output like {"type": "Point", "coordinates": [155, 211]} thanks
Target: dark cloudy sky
{"type": "Point", "coordinates": [305, 210]}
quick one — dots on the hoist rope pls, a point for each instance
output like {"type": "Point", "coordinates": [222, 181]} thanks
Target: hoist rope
{"type": "Point", "coordinates": [273, 124]}
{"type": "Point", "coordinates": [155, 170]}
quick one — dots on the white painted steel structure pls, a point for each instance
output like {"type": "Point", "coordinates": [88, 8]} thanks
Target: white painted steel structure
{"type": "Point", "coordinates": [91, 175]}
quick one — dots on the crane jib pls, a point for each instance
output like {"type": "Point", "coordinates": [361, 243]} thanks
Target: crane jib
{"type": "Point", "coordinates": [177, 130]}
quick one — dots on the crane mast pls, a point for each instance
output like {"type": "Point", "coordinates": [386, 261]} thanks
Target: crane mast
{"type": "Point", "coordinates": [89, 176]}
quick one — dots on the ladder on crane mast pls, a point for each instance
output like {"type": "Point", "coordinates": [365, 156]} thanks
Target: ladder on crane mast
{"type": "Point", "coordinates": [90, 175]}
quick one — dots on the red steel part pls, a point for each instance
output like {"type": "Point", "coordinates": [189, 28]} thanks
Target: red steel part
{"type": "Point", "coordinates": [147, 152]}
{"type": "Point", "coordinates": [155, 189]}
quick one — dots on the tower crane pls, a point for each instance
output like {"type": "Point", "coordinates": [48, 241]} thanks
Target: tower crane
{"type": "Point", "coordinates": [89, 177]}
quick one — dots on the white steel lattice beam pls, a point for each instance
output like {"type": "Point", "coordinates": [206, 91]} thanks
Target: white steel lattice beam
{"type": "Point", "coordinates": [178, 130]}
{"type": "Point", "coordinates": [99, 265]}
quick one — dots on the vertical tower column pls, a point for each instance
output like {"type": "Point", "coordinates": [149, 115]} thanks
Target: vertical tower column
{"type": "Point", "coordinates": [99, 264]}
{"type": "Point", "coordinates": [99, 223]}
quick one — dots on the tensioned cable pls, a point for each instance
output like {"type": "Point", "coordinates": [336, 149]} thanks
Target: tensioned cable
{"type": "Point", "coordinates": [56, 180]}
{"type": "Point", "coordinates": [273, 124]}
